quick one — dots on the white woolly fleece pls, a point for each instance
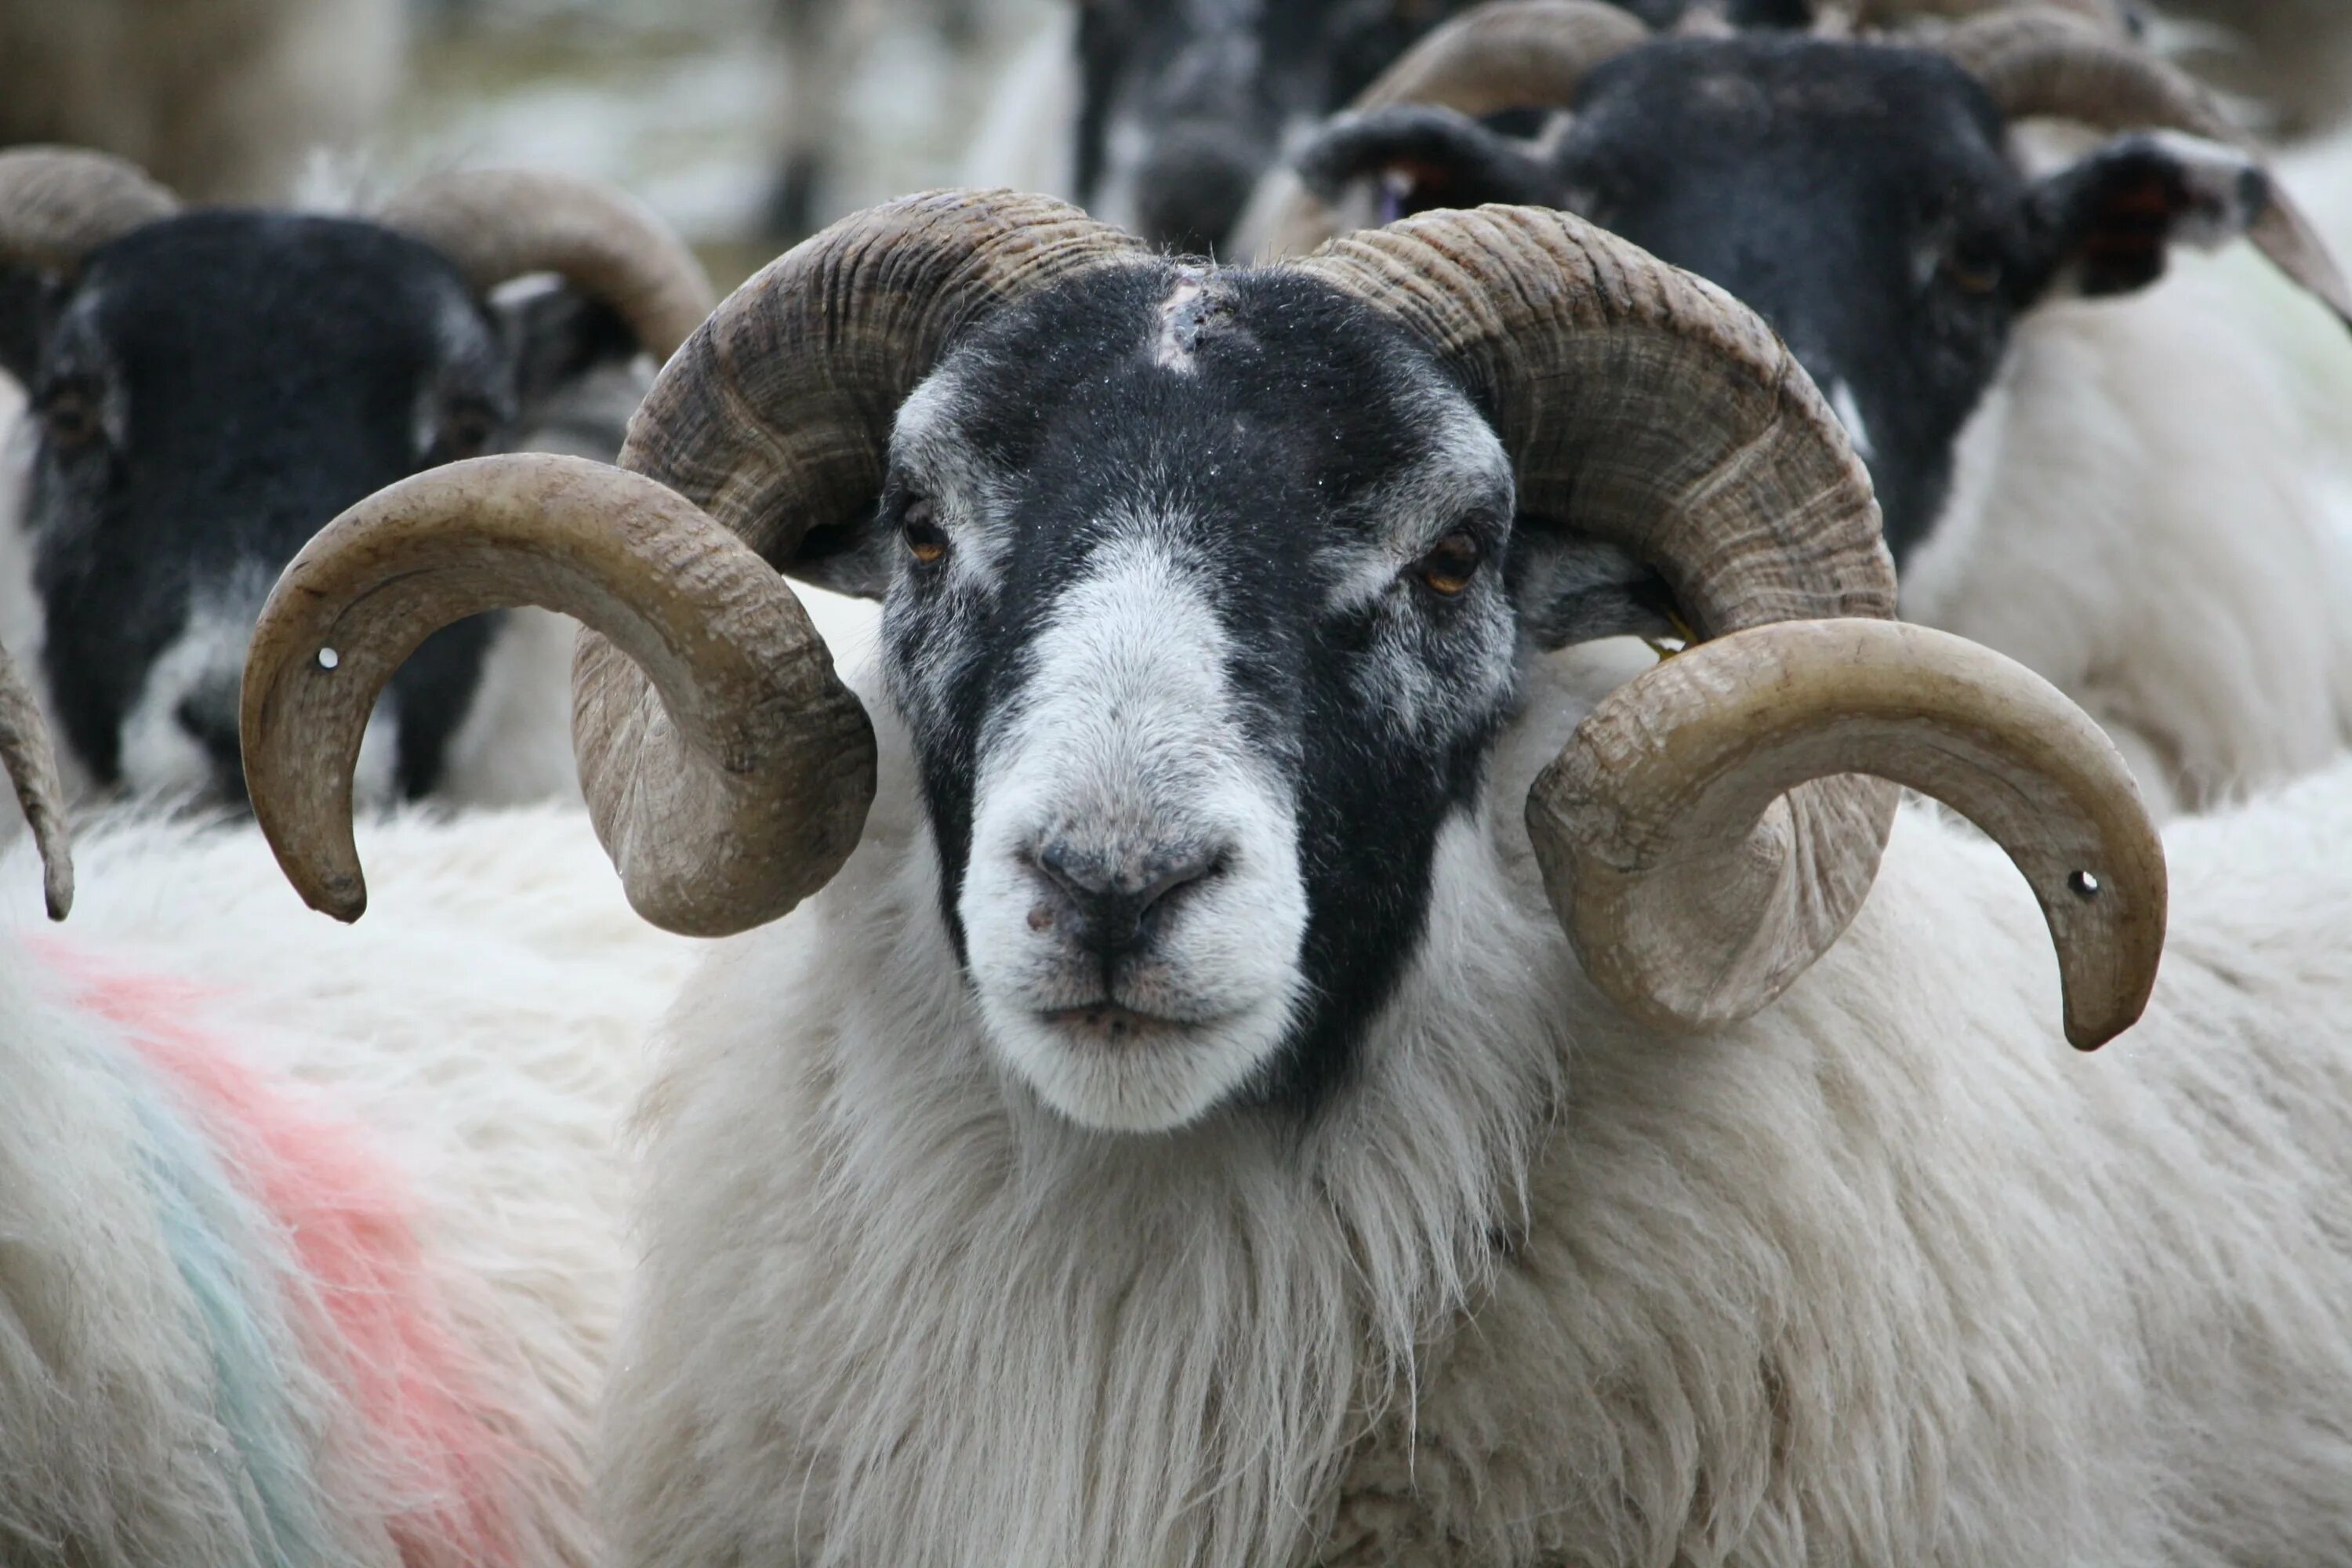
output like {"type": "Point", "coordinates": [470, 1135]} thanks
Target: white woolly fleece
{"type": "Point", "coordinates": [1887, 1275]}
{"type": "Point", "coordinates": [483, 1022]}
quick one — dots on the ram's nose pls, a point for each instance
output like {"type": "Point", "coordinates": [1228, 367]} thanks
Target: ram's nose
{"type": "Point", "coordinates": [1109, 903]}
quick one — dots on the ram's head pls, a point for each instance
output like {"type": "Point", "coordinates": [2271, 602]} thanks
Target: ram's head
{"type": "Point", "coordinates": [1868, 194]}
{"type": "Point", "coordinates": [1206, 597]}
{"type": "Point", "coordinates": [210, 388]}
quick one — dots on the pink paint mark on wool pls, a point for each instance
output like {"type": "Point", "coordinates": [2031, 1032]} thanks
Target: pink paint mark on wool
{"type": "Point", "coordinates": [349, 1217]}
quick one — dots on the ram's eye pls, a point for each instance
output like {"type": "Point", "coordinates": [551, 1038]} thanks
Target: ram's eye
{"type": "Point", "coordinates": [71, 418]}
{"type": "Point", "coordinates": [467, 431]}
{"type": "Point", "coordinates": [1973, 267]}
{"type": "Point", "coordinates": [918, 525]}
{"type": "Point", "coordinates": [1450, 565]}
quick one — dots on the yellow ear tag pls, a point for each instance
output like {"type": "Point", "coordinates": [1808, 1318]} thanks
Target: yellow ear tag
{"type": "Point", "coordinates": [1685, 636]}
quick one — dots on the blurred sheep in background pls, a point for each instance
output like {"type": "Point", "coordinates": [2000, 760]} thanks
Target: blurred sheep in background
{"type": "Point", "coordinates": [221, 100]}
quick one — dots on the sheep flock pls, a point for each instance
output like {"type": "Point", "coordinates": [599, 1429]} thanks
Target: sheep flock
{"type": "Point", "coordinates": [1437, 783]}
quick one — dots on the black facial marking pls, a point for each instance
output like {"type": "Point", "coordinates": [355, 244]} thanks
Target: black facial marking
{"type": "Point", "coordinates": [1262, 463]}
{"type": "Point", "coordinates": [213, 390]}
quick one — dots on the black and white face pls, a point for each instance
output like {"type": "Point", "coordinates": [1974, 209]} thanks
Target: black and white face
{"type": "Point", "coordinates": [1200, 607]}
{"type": "Point", "coordinates": [208, 392]}
{"type": "Point", "coordinates": [1862, 198]}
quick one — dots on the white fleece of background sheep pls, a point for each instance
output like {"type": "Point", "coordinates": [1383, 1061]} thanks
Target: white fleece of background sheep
{"type": "Point", "coordinates": [2149, 511]}
{"type": "Point", "coordinates": [1887, 1275]}
{"type": "Point", "coordinates": [486, 1019]}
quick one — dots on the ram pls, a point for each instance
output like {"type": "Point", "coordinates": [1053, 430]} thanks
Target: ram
{"type": "Point", "coordinates": [312, 1249]}
{"type": "Point", "coordinates": [2111, 483]}
{"type": "Point", "coordinates": [209, 387]}
{"type": "Point", "coordinates": [224, 99]}
{"type": "Point", "coordinates": [1197, 1116]}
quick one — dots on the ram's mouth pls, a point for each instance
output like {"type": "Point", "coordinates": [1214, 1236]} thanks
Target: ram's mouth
{"type": "Point", "coordinates": [1110, 1025]}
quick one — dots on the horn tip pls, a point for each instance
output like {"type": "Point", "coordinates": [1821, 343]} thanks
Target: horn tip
{"type": "Point", "coordinates": [57, 891]}
{"type": "Point", "coordinates": [339, 898]}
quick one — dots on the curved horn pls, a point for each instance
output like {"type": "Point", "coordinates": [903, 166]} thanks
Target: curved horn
{"type": "Point", "coordinates": [59, 204]}
{"type": "Point", "coordinates": [1662, 415]}
{"type": "Point", "coordinates": [500, 223]}
{"type": "Point", "coordinates": [1511, 54]}
{"type": "Point", "coordinates": [2057, 66]}
{"type": "Point", "coordinates": [1662, 790]}
{"type": "Point", "coordinates": [1894, 13]}
{"type": "Point", "coordinates": [31, 763]}
{"type": "Point", "coordinates": [751, 721]}
{"type": "Point", "coordinates": [727, 770]}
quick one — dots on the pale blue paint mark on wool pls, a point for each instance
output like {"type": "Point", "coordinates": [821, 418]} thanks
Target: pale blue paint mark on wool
{"type": "Point", "coordinates": [218, 1241]}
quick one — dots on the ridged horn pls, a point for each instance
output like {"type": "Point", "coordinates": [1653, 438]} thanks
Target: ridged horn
{"type": "Point", "coordinates": [1660, 413]}
{"type": "Point", "coordinates": [1511, 54]}
{"type": "Point", "coordinates": [501, 224]}
{"type": "Point", "coordinates": [1658, 801]}
{"type": "Point", "coordinates": [2106, 13]}
{"type": "Point", "coordinates": [2058, 67]}
{"type": "Point", "coordinates": [31, 763]}
{"type": "Point", "coordinates": [59, 204]}
{"type": "Point", "coordinates": [752, 722]}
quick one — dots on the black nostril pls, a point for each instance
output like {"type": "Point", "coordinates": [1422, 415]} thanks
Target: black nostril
{"type": "Point", "coordinates": [1115, 896]}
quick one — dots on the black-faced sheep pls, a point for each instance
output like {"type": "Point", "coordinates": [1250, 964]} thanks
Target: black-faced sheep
{"type": "Point", "coordinates": [1199, 1118]}
{"type": "Point", "coordinates": [209, 387]}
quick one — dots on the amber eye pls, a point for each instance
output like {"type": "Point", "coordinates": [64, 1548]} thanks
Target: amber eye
{"type": "Point", "coordinates": [70, 417]}
{"type": "Point", "coordinates": [1451, 563]}
{"type": "Point", "coordinates": [1973, 268]}
{"type": "Point", "coordinates": [920, 528]}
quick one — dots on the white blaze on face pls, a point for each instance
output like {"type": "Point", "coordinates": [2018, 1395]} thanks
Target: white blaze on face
{"type": "Point", "coordinates": [1125, 742]}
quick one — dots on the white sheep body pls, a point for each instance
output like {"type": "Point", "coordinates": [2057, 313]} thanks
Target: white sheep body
{"type": "Point", "coordinates": [448, 1082]}
{"type": "Point", "coordinates": [1889, 1273]}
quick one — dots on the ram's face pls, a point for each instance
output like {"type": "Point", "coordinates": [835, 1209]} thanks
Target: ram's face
{"type": "Point", "coordinates": [208, 392]}
{"type": "Point", "coordinates": [1196, 610]}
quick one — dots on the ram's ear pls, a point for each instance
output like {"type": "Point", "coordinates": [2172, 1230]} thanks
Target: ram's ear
{"type": "Point", "coordinates": [1571, 588]}
{"type": "Point", "coordinates": [559, 338]}
{"type": "Point", "coordinates": [2107, 224]}
{"type": "Point", "coordinates": [1419, 156]}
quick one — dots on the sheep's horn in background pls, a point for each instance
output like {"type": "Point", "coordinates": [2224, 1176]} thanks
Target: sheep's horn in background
{"type": "Point", "coordinates": [1512, 54]}
{"type": "Point", "coordinates": [1659, 795]}
{"type": "Point", "coordinates": [2056, 67]}
{"type": "Point", "coordinates": [501, 224]}
{"type": "Point", "coordinates": [2104, 14]}
{"type": "Point", "coordinates": [748, 720]}
{"type": "Point", "coordinates": [32, 767]}
{"type": "Point", "coordinates": [59, 204]}
{"type": "Point", "coordinates": [1665, 416]}
{"type": "Point", "coordinates": [775, 418]}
